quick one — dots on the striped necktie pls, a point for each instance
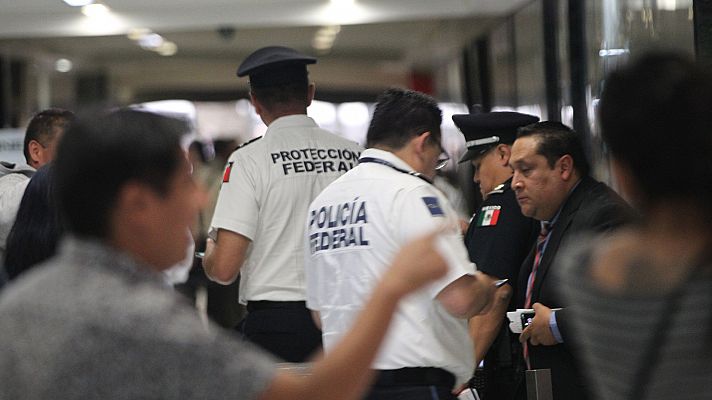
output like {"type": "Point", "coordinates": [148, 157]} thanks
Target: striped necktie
{"type": "Point", "coordinates": [540, 244]}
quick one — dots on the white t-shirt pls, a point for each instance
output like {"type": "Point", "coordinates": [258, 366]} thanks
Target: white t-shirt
{"type": "Point", "coordinates": [267, 187]}
{"type": "Point", "coordinates": [354, 229]}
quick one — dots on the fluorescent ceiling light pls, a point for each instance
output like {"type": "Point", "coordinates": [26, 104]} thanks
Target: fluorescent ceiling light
{"type": "Point", "coordinates": [78, 3]}
{"type": "Point", "coordinates": [95, 10]}
{"type": "Point", "coordinates": [342, 2]}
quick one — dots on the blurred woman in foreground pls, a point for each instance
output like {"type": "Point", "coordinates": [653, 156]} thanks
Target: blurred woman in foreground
{"type": "Point", "coordinates": [644, 296]}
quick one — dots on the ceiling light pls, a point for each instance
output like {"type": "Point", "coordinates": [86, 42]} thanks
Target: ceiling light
{"type": "Point", "coordinates": [63, 65]}
{"type": "Point", "coordinates": [136, 34]}
{"type": "Point", "coordinates": [78, 3]}
{"type": "Point", "coordinates": [95, 10]}
{"type": "Point", "coordinates": [167, 49]}
{"type": "Point", "coordinates": [151, 41]}
{"type": "Point", "coordinates": [342, 2]}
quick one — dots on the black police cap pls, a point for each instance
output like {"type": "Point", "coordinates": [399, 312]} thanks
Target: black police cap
{"type": "Point", "coordinates": [482, 131]}
{"type": "Point", "coordinates": [275, 65]}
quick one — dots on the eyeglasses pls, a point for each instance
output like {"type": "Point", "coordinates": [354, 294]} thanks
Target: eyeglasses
{"type": "Point", "coordinates": [442, 160]}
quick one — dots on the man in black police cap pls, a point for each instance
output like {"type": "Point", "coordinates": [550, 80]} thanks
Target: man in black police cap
{"type": "Point", "coordinates": [498, 240]}
{"type": "Point", "coordinates": [259, 220]}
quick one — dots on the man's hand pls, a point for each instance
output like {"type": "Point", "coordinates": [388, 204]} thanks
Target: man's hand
{"type": "Point", "coordinates": [539, 332]}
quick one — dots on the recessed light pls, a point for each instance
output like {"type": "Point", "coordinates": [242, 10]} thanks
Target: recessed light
{"type": "Point", "coordinates": [78, 3]}
{"type": "Point", "coordinates": [63, 65]}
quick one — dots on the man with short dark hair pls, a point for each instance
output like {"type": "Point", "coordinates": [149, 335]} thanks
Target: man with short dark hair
{"type": "Point", "coordinates": [355, 227]}
{"type": "Point", "coordinates": [552, 184]}
{"type": "Point", "coordinates": [498, 240]}
{"type": "Point", "coordinates": [41, 138]}
{"type": "Point", "coordinates": [98, 321]}
{"type": "Point", "coordinates": [258, 224]}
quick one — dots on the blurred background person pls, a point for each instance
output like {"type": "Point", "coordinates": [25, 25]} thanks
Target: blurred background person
{"type": "Point", "coordinates": [642, 298]}
{"type": "Point", "coordinates": [41, 137]}
{"type": "Point", "coordinates": [37, 228]}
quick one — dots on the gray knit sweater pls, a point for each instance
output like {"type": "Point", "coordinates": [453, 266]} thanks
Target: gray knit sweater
{"type": "Point", "coordinates": [93, 324]}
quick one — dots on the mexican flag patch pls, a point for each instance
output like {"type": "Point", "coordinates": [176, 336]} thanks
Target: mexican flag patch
{"type": "Point", "coordinates": [488, 216]}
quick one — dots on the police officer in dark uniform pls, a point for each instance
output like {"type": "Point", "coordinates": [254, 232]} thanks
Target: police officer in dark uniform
{"type": "Point", "coordinates": [498, 239]}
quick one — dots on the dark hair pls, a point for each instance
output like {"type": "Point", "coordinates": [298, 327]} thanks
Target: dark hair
{"type": "Point", "coordinates": [37, 228]}
{"type": "Point", "coordinates": [655, 118]}
{"type": "Point", "coordinates": [401, 115]}
{"type": "Point", "coordinates": [285, 95]}
{"type": "Point", "coordinates": [98, 155]}
{"type": "Point", "coordinates": [44, 126]}
{"type": "Point", "coordinates": [555, 140]}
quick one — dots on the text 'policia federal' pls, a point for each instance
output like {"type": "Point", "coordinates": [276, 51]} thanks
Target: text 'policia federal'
{"type": "Point", "coordinates": [340, 226]}
{"type": "Point", "coordinates": [315, 160]}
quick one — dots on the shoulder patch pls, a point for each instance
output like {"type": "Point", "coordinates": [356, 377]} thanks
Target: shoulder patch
{"type": "Point", "coordinates": [228, 171]}
{"type": "Point", "coordinates": [488, 216]}
{"type": "Point", "coordinates": [433, 206]}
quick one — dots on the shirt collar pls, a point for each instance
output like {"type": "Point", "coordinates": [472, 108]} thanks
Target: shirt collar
{"type": "Point", "coordinates": [290, 122]}
{"type": "Point", "coordinates": [97, 254]}
{"type": "Point", "coordinates": [387, 156]}
{"type": "Point", "coordinates": [552, 222]}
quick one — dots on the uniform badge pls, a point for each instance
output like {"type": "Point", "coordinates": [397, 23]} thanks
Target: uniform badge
{"type": "Point", "coordinates": [228, 170]}
{"type": "Point", "coordinates": [433, 206]}
{"type": "Point", "coordinates": [489, 215]}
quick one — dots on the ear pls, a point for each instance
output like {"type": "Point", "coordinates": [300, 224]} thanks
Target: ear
{"type": "Point", "coordinates": [134, 201]}
{"type": "Point", "coordinates": [256, 104]}
{"type": "Point", "coordinates": [35, 150]}
{"type": "Point", "coordinates": [566, 167]}
{"type": "Point", "coordinates": [420, 142]}
{"type": "Point", "coordinates": [503, 152]}
{"type": "Point", "coordinates": [310, 93]}
{"type": "Point", "coordinates": [624, 180]}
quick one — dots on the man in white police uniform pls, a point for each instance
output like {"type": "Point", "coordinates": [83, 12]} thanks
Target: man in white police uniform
{"type": "Point", "coordinates": [356, 225]}
{"type": "Point", "coordinates": [258, 225]}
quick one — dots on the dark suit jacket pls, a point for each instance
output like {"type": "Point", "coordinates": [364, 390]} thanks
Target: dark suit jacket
{"type": "Point", "coordinates": [591, 207]}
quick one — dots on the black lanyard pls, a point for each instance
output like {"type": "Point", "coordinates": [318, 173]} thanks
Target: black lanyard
{"type": "Point", "coordinates": [388, 164]}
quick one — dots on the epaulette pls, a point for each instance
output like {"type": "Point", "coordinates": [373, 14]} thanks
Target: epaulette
{"type": "Point", "coordinates": [247, 142]}
{"type": "Point", "coordinates": [497, 189]}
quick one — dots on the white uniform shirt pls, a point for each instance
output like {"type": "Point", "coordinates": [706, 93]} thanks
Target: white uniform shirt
{"type": "Point", "coordinates": [266, 190]}
{"type": "Point", "coordinates": [12, 188]}
{"type": "Point", "coordinates": [355, 227]}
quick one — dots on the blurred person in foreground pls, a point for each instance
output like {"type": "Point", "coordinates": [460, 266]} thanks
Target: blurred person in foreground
{"type": "Point", "coordinates": [356, 226]}
{"type": "Point", "coordinates": [41, 137]}
{"type": "Point", "coordinates": [99, 322]}
{"type": "Point", "coordinates": [643, 297]}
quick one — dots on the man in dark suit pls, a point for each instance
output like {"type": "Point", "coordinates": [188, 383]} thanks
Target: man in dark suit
{"type": "Point", "coordinates": [552, 184]}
